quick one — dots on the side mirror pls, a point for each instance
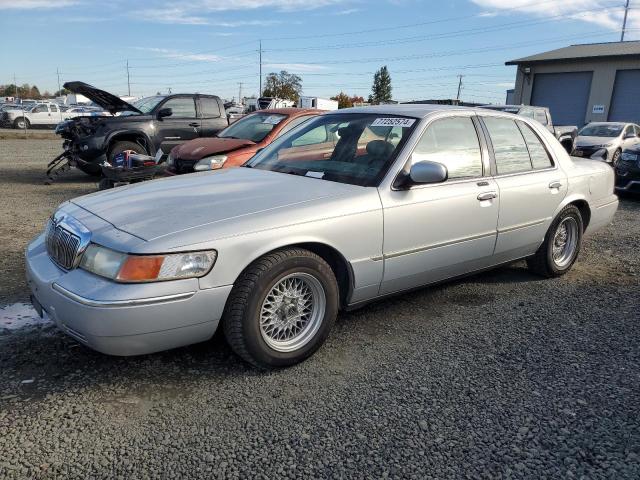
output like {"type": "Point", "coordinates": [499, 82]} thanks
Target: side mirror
{"type": "Point", "coordinates": [164, 112]}
{"type": "Point", "coordinates": [423, 172]}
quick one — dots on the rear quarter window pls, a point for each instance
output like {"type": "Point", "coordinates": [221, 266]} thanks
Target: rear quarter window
{"type": "Point", "coordinates": [540, 158]}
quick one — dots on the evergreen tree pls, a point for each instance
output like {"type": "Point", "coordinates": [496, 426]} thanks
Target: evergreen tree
{"type": "Point", "coordinates": [381, 89]}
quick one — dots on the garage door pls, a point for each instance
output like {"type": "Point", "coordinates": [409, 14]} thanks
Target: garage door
{"type": "Point", "coordinates": [565, 94]}
{"type": "Point", "coordinates": [625, 102]}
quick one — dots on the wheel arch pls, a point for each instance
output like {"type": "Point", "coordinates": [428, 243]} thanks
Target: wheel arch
{"type": "Point", "coordinates": [581, 203]}
{"type": "Point", "coordinates": [341, 267]}
{"type": "Point", "coordinates": [129, 136]}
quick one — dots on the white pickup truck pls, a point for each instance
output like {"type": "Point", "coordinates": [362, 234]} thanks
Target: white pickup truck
{"type": "Point", "coordinates": [41, 114]}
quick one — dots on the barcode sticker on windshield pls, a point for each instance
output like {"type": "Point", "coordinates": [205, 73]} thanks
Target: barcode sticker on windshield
{"type": "Point", "coordinates": [272, 119]}
{"type": "Point", "coordinates": [393, 122]}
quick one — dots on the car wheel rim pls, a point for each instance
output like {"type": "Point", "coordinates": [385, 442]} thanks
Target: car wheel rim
{"type": "Point", "coordinates": [292, 312]}
{"type": "Point", "coordinates": [565, 241]}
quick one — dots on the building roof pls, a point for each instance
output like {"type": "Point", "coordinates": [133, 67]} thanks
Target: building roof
{"type": "Point", "coordinates": [589, 50]}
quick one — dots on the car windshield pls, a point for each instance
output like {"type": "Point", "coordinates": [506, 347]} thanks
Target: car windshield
{"type": "Point", "coordinates": [253, 127]}
{"type": "Point", "coordinates": [346, 148]}
{"type": "Point", "coordinates": [601, 131]}
{"type": "Point", "coordinates": [145, 105]}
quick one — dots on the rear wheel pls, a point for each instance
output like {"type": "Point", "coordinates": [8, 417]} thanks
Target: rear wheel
{"type": "Point", "coordinates": [281, 309]}
{"type": "Point", "coordinates": [561, 245]}
{"type": "Point", "coordinates": [21, 123]}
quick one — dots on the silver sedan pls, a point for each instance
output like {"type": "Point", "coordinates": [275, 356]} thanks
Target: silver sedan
{"type": "Point", "coordinates": [347, 208]}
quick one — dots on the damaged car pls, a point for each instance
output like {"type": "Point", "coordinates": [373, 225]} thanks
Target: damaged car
{"type": "Point", "coordinates": [144, 127]}
{"type": "Point", "coordinates": [237, 143]}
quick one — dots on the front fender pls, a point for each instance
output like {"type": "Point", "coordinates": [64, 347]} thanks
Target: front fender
{"type": "Point", "coordinates": [127, 135]}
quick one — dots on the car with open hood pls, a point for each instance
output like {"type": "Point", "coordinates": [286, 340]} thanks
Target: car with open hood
{"type": "Point", "coordinates": [628, 170]}
{"type": "Point", "coordinates": [237, 143]}
{"type": "Point", "coordinates": [605, 141]}
{"type": "Point", "coordinates": [349, 207]}
{"type": "Point", "coordinates": [149, 124]}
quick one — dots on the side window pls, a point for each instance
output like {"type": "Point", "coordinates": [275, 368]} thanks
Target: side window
{"type": "Point", "coordinates": [53, 108]}
{"type": "Point", "coordinates": [637, 131]}
{"type": "Point", "coordinates": [312, 137]}
{"type": "Point", "coordinates": [183, 107]}
{"type": "Point", "coordinates": [294, 123]}
{"type": "Point", "coordinates": [210, 107]}
{"type": "Point", "coordinates": [539, 156]}
{"type": "Point", "coordinates": [40, 109]}
{"type": "Point", "coordinates": [509, 147]}
{"type": "Point", "coordinates": [454, 143]}
{"type": "Point", "coordinates": [628, 131]}
{"type": "Point", "coordinates": [541, 116]}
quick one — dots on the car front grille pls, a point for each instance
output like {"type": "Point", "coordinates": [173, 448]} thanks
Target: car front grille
{"type": "Point", "coordinates": [62, 245]}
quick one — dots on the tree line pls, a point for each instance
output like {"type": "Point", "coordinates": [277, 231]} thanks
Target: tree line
{"type": "Point", "coordinates": [288, 86]}
{"type": "Point", "coordinates": [28, 91]}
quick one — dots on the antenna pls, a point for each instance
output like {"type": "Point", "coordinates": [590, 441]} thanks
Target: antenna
{"type": "Point", "coordinates": [128, 81]}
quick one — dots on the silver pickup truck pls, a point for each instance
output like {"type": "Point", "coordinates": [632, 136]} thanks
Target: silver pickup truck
{"type": "Point", "coordinates": [43, 114]}
{"type": "Point", "coordinates": [565, 134]}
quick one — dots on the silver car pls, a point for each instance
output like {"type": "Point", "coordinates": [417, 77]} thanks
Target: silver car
{"type": "Point", "coordinates": [347, 208]}
{"type": "Point", "coordinates": [605, 141]}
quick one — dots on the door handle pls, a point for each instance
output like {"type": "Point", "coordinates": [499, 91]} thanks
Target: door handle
{"type": "Point", "coordinates": [553, 185]}
{"type": "Point", "coordinates": [194, 124]}
{"type": "Point", "coordinates": [487, 196]}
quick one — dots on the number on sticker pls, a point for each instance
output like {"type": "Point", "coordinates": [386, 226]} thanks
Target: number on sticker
{"type": "Point", "coordinates": [393, 122]}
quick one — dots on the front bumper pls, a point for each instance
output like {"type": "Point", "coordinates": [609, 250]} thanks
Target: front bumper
{"type": "Point", "coordinates": [628, 176]}
{"type": "Point", "coordinates": [594, 153]}
{"type": "Point", "coordinates": [123, 319]}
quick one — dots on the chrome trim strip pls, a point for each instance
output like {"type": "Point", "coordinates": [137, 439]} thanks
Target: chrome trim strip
{"type": "Point", "coordinates": [120, 303]}
{"type": "Point", "coordinates": [437, 245]}
{"type": "Point", "coordinates": [522, 225]}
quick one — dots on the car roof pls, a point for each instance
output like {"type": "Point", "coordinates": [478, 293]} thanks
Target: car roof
{"type": "Point", "coordinates": [411, 110]}
{"type": "Point", "coordinates": [291, 111]}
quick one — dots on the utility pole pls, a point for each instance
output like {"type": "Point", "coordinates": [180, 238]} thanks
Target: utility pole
{"type": "Point", "coordinates": [459, 86]}
{"type": "Point", "coordinates": [128, 81]}
{"type": "Point", "coordinates": [240, 92]}
{"type": "Point", "coordinates": [58, 74]}
{"type": "Point", "coordinates": [624, 21]}
{"type": "Point", "coordinates": [260, 54]}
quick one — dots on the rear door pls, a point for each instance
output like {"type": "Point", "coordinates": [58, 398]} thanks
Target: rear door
{"type": "Point", "coordinates": [212, 118]}
{"type": "Point", "coordinates": [531, 186]}
{"type": "Point", "coordinates": [182, 125]}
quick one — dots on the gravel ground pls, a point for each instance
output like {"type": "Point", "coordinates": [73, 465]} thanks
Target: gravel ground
{"type": "Point", "coordinates": [501, 375]}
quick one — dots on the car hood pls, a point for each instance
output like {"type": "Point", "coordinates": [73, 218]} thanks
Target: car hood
{"type": "Point", "coordinates": [203, 147]}
{"type": "Point", "coordinates": [226, 201]}
{"type": "Point", "coordinates": [583, 141]}
{"type": "Point", "coordinates": [106, 100]}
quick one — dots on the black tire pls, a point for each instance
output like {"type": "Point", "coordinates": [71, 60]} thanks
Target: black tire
{"type": "Point", "coordinates": [241, 319]}
{"type": "Point", "coordinates": [542, 262]}
{"type": "Point", "coordinates": [616, 157]}
{"type": "Point", "coordinates": [17, 123]}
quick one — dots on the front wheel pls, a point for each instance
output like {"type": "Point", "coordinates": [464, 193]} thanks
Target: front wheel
{"type": "Point", "coordinates": [281, 309]}
{"type": "Point", "coordinates": [616, 157]}
{"type": "Point", "coordinates": [561, 245]}
{"type": "Point", "coordinates": [21, 123]}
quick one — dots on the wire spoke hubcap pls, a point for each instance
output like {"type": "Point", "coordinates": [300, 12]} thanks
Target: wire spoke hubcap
{"type": "Point", "coordinates": [292, 312]}
{"type": "Point", "coordinates": [565, 241]}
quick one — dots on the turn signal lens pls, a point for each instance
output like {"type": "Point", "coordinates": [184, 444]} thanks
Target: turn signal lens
{"type": "Point", "coordinates": [140, 269]}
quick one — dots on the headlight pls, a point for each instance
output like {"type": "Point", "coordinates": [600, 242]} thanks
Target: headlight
{"type": "Point", "coordinates": [210, 163]}
{"type": "Point", "coordinates": [604, 145]}
{"type": "Point", "coordinates": [169, 160]}
{"type": "Point", "coordinates": [146, 268]}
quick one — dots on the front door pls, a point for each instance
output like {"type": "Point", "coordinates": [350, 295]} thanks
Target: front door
{"type": "Point", "coordinates": [531, 186]}
{"type": "Point", "coordinates": [40, 115]}
{"type": "Point", "coordinates": [433, 232]}
{"type": "Point", "coordinates": [182, 125]}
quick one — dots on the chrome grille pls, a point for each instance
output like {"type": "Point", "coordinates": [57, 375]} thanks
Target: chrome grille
{"type": "Point", "coordinates": [62, 245]}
